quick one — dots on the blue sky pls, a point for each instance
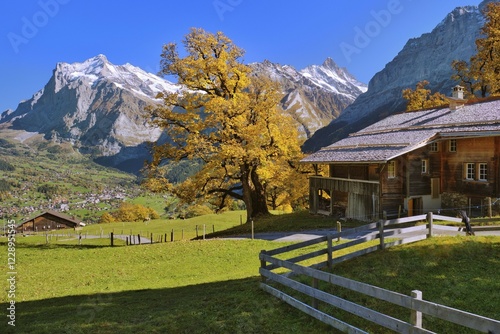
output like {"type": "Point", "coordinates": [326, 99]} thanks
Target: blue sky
{"type": "Point", "coordinates": [361, 35]}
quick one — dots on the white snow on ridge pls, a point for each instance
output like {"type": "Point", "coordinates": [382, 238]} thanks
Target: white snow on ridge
{"type": "Point", "coordinates": [126, 76]}
{"type": "Point", "coordinates": [334, 79]}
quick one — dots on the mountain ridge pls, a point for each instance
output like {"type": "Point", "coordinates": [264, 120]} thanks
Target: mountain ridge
{"type": "Point", "coordinates": [427, 57]}
{"type": "Point", "coordinates": [315, 95]}
{"type": "Point", "coordinates": [98, 106]}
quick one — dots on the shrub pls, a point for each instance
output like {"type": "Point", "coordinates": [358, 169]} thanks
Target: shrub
{"type": "Point", "coordinates": [197, 210]}
{"type": "Point", "coordinates": [134, 212]}
{"type": "Point", "coordinates": [5, 166]}
{"type": "Point", "coordinates": [106, 218]}
{"type": "Point", "coordinates": [4, 186]}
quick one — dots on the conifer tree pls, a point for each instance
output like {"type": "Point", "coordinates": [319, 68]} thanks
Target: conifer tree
{"type": "Point", "coordinates": [224, 117]}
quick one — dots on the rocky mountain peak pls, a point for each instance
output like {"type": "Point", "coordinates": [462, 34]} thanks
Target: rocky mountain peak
{"type": "Point", "coordinates": [427, 57]}
{"type": "Point", "coordinates": [315, 95]}
{"type": "Point", "coordinates": [457, 13]}
{"type": "Point", "coordinates": [97, 106]}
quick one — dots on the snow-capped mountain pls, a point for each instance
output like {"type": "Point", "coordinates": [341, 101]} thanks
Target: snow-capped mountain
{"type": "Point", "coordinates": [427, 57]}
{"type": "Point", "coordinates": [95, 105]}
{"type": "Point", "coordinates": [315, 95]}
{"type": "Point", "coordinates": [335, 79]}
{"type": "Point", "coordinates": [99, 107]}
{"type": "Point", "coordinates": [127, 76]}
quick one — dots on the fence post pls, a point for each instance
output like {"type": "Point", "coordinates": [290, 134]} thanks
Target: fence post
{"type": "Point", "coordinates": [429, 223]}
{"type": "Point", "coordinates": [339, 229]}
{"type": "Point", "coordinates": [204, 230]}
{"type": "Point", "coordinates": [252, 228]}
{"type": "Point", "coordinates": [416, 316]}
{"type": "Point", "coordinates": [111, 237]}
{"type": "Point", "coordinates": [139, 238]}
{"type": "Point", "coordinates": [381, 234]}
{"type": "Point", "coordinates": [329, 251]}
{"type": "Point", "coordinates": [151, 238]}
{"type": "Point", "coordinates": [490, 213]}
{"type": "Point", "coordinates": [314, 285]}
{"type": "Point", "coordinates": [172, 236]}
{"type": "Point", "coordinates": [262, 265]}
{"type": "Point", "coordinates": [126, 241]}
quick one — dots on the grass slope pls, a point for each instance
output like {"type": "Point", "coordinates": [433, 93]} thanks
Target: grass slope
{"type": "Point", "coordinates": [45, 176]}
{"type": "Point", "coordinates": [212, 285]}
{"type": "Point", "coordinates": [182, 287]}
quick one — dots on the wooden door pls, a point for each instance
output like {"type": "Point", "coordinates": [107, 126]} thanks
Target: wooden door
{"type": "Point", "coordinates": [410, 207]}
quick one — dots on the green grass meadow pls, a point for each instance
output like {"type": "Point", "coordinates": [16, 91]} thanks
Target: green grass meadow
{"type": "Point", "coordinates": [180, 287]}
{"type": "Point", "coordinates": [212, 286]}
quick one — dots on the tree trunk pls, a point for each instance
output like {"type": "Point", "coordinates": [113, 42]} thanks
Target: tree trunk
{"type": "Point", "coordinates": [254, 194]}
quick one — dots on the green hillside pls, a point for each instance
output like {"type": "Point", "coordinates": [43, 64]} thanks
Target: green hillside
{"type": "Point", "coordinates": [36, 175]}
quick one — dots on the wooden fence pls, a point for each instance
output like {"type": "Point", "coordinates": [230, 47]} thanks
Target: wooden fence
{"type": "Point", "coordinates": [375, 231]}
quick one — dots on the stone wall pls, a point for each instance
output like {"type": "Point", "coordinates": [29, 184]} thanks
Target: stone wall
{"type": "Point", "coordinates": [479, 206]}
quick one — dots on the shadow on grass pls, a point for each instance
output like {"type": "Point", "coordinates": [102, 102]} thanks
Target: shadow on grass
{"type": "Point", "coordinates": [58, 245]}
{"type": "Point", "coordinates": [294, 222]}
{"type": "Point", "coordinates": [236, 306]}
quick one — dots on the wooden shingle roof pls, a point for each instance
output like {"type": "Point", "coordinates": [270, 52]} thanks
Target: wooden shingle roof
{"type": "Point", "coordinates": [405, 132]}
{"type": "Point", "coordinates": [57, 217]}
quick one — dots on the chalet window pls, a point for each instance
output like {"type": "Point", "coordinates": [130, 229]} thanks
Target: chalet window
{"type": "Point", "coordinates": [452, 145]}
{"type": "Point", "coordinates": [425, 166]}
{"type": "Point", "coordinates": [434, 147]}
{"type": "Point", "coordinates": [482, 172]}
{"type": "Point", "coordinates": [476, 171]}
{"type": "Point", "coordinates": [470, 171]}
{"type": "Point", "coordinates": [391, 169]}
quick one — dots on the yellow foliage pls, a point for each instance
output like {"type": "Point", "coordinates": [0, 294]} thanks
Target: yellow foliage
{"type": "Point", "coordinates": [128, 212]}
{"type": "Point", "coordinates": [106, 218]}
{"type": "Point", "coordinates": [421, 98]}
{"type": "Point", "coordinates": [228, 119]}
{"type": "Point", "coordinates": [482, 73]}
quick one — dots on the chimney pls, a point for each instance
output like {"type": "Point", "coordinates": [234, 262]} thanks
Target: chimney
{"type": "Point", "coordinates": [457, 100]}
{"type": "Point", "coordinates": [458, 92]}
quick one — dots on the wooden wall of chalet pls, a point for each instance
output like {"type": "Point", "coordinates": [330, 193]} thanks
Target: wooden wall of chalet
{"type": "Point", "coordinates": [354, 189]}
{"type": "Point", "coordinates": [41, 224]}
{"type": "Point", "coordinates": [392, 188]}
{"type": "Point", "coordinates": [359, 172]}
{"type": "Point", "coordinates": [418, 183]}
{"type": "Point", "coordinates": [472, 150]}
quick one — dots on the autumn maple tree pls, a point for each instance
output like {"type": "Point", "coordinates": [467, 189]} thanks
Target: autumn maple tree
{"type": "Point", "coordinates": [482, 73]}
{"type": "Point", "coordinates": [421, 97]}
{"type": "Point", "coordinates": [226, 118]}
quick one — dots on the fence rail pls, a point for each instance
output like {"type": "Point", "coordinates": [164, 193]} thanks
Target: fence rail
{"type": "Point", "coordinates": [381, 230]}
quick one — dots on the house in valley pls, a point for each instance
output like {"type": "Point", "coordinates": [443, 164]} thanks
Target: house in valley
{"type": "Point", "coordinates": [411, 163]}
{"type": "Point", "coordinates": [48, 221]}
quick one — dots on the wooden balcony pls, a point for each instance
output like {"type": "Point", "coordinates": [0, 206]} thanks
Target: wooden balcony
{"type": "Point", "coordinates": [363, 196]}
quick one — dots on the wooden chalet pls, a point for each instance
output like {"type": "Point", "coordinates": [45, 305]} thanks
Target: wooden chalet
{"type": "Point", "coordinates": [412, 163]}
{"type": "Point", "coordinates": [48, 221]}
